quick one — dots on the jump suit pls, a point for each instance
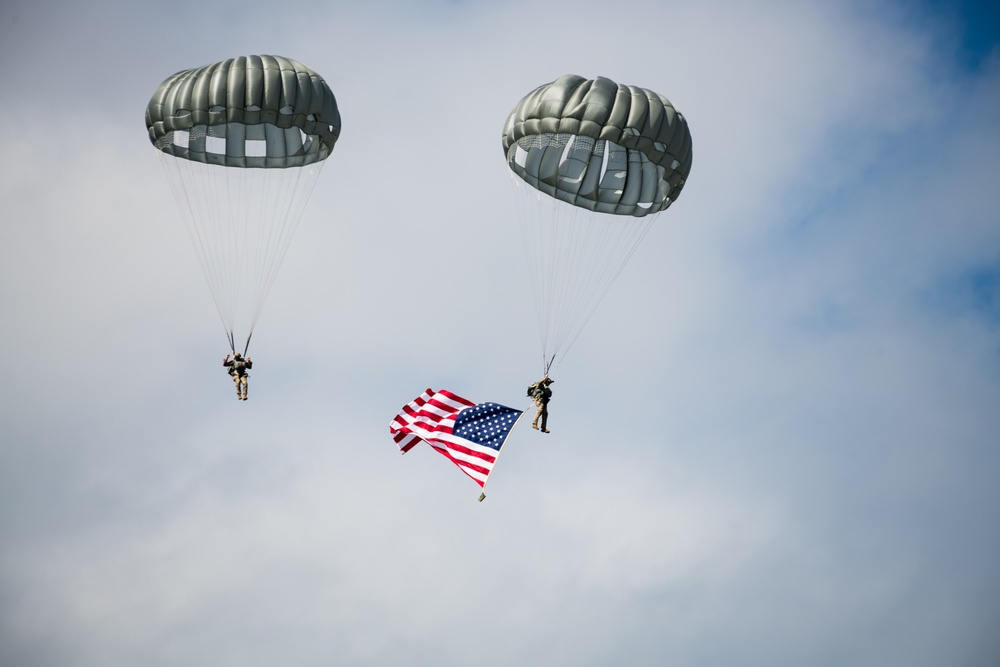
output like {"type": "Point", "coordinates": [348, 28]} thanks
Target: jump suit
{"type": "Point", "coordinates": [238, 369]}
{"type": "Point", "coordinates": [542, 394]}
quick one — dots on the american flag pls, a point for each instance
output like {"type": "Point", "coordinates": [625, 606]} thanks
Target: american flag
{"type": "Point", "coordinates": [469, 434]}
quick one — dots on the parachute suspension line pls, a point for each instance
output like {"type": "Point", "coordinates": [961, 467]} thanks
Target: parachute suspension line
{"type": "Point", "coordinates": [291, 198]}
{"type": "Point", "coordinates": [528, 202]}
{"type": "Point", "coordinates": [574, 256]}
{"type": "Point", "coordinates": [247, 346]}
{"type": "Point", "coordinates": [241, 222]}
{"type": "Point", "coordinates": [198, 208]}
{"type": "Point", "coordinates": [598, 247]}
{"type": "Point", "coordinates": [264, 233]}
{"type": "Point", "coordinates": [564, 259]}
{"type": "Point", "coordinates": [623, 246]}
{"type": "Point", "coordinates": [544, 234]}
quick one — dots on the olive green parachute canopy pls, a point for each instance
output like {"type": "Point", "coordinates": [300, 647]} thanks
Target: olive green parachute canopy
{"type": "Point", "coordinates": [592, 164]}
{"type": "Point", "coordinates": [242, 143]}
{"type": "Point", "coordinates": [600, 145]}
{"type": "Point", "coordinates": [252, 111]}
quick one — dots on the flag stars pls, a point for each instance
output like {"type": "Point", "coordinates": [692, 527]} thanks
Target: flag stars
{"type": "Point", "coordinates": [486, 424]}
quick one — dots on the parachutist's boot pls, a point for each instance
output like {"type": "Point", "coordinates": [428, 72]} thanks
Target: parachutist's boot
{"type": "Point", "coordinates": [534, 425]}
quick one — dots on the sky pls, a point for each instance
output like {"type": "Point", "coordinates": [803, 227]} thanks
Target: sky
{"type": "Point", "coordinates": [775, 443]}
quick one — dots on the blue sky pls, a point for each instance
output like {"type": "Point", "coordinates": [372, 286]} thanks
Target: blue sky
{"type": "Point", "coordinates": [978, 25]}
{"type": "Point", "coordinates": [774, 443]}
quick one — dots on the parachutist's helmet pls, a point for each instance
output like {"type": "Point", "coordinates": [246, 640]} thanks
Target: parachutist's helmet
{"type": "Point", "coordinates": [237, 356]}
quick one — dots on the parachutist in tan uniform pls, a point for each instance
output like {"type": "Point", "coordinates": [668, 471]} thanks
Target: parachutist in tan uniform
{"type": "Point", "coordinates": [541, 393]}
{"type": "Point", "coordinates": [238, 367]}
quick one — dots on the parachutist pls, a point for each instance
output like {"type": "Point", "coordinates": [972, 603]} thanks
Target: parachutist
{"type": "Point", "coordinates": [540, 392]}
{"type": "Point", "coordinates": [238, 367]}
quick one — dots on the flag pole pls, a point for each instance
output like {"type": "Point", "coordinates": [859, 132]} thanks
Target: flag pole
{"type": "Point", "coordinates": [482, 496]}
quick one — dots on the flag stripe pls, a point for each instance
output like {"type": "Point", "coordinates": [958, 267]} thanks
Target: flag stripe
{"type": "Point", "coordinates": [430, 418]}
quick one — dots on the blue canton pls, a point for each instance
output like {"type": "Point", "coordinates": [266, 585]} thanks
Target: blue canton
{"type": "Point", "coordinates": [486, 424]}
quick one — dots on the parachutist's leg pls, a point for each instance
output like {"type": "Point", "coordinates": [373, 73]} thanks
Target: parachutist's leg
{"type": "Point", "coordinates": [236, 381]}
{"type": "Point", "coordinates": [538, 412]}
{"type": "Point", "coordinates": [545, 418]}
{"type": "Point", "coordinates": [245, 385]}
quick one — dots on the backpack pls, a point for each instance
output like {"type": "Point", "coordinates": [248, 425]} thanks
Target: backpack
{"type": "Point", "coordinates": [533, 390]}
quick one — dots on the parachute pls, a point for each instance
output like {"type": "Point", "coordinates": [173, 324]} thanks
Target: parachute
{"type": "Point", "coordinates": [242, 143]}
{"type": "Point", "coordinates": [592, 162]}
